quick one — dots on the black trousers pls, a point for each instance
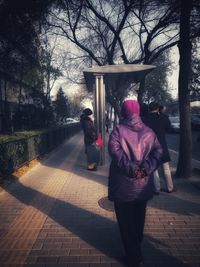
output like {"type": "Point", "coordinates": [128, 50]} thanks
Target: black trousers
{"type": "Point", "coordinates": [131, 219]}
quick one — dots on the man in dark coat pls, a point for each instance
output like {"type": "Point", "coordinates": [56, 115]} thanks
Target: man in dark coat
{"type": "Point", "coordinates": [89, 139]}
{"type": "Point", "coordinates": [160, 124]}
{"type": "Point", "coordinates": [135, 153]}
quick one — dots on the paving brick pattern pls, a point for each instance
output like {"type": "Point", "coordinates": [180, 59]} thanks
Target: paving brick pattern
{"type": "Point", "coordinates": [51, 217]}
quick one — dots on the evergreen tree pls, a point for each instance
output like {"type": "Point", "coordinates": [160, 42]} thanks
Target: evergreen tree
{"type": "Point", "coordinates": [156, 85]}
{"type": "Point", "coordinates": [61, 105]}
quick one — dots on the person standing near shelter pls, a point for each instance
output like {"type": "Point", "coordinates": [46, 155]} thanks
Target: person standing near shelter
{"type": "Point", "coordinates": [135, 153]}
{"type": "Point", "coordinates": [89, 139]}
{"type": "Point", "coordinates": [160, 124]}
{"type": "Point", "coordinates": [107, 123]}
{"type": "Point", "coordinates": [144, 110]}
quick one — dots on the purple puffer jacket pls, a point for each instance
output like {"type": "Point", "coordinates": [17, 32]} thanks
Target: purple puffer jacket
{"type": "Point", "coordinates": [132, 145]}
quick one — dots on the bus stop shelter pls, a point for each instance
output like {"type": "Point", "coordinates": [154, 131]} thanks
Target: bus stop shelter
{"type": "Point", "coordinates": [99, 78]}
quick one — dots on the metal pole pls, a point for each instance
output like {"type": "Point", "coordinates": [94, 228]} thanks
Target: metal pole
{"type": "Point", "coordinates": [100, 112]}
{"type": "Point", "coordinates": [97, 103]}
{"type": "Point", "coordinates": [102, 116]}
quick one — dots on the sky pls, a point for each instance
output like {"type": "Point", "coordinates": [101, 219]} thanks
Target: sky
{"type": "Point", "coordinates": [173, 78]}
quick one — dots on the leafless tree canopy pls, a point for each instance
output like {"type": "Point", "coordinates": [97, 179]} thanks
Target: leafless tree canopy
{"type": "Point", "coordinates": [128, 32]}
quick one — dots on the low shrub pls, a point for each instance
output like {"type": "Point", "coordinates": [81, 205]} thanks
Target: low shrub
{"type": "Point", "coordinates": [19, 149]}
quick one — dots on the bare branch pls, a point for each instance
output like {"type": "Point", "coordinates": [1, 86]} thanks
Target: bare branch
{"type": "Point", "coordinates": [157, 54]}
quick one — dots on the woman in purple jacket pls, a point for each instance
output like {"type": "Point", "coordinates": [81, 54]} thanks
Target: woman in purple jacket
{"type": "Point", "coordinates": [135, 153]}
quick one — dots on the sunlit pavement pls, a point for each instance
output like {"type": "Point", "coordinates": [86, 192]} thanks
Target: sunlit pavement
{"type": "Point", "coordinates": [52, 217]}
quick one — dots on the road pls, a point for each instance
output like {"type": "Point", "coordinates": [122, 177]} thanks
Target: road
{"type": "Point", "coordinates": [173, 143]}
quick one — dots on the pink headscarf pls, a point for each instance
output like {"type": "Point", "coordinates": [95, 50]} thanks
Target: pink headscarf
{"type": "Point", "coordinates": [130, 107]}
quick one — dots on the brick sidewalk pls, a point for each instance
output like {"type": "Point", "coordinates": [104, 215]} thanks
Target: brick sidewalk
{"type": "Point", "coordinates": [51, 217]}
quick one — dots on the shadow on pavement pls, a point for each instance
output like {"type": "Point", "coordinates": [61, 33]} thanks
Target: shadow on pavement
{"type": "Point", "coordinates": [174, 202]}
{"type": "Point", "coordinates": [99, 232]}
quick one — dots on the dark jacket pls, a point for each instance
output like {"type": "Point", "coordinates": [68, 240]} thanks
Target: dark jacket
{"type": "Point", "coordinates": [160, 124]}
{"type": "Point", "coordinates": [88, 129]}
{"type": "Point", "coordinates": [132, 145]}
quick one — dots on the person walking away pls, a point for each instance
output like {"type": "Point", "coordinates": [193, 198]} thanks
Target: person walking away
{"type": "Point", "coordinates": [144, 110]}
{"type": "Point", "coordinates": [89, 139]}
{"type": "Point", "coordinates": [107, 122]}
{"type": "Point", "coordinates": [162, 109]}
{"type": "Point", "coordinates": [160, 124]}
{"type": "Point", "coordinates": [135, 153]}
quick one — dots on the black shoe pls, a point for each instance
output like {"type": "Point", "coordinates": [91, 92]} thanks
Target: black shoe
{"type": "Point", "coordinates": [135, 264]}
{"type": "Point", "coordinates": [93, 169]}
{"type": "Point", "coordinates": [156, 193]}
{"type": "Point", "coordinates": [124, 260]}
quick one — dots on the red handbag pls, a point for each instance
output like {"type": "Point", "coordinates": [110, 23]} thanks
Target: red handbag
{"type": "Point", "coordinates": [99, 141]}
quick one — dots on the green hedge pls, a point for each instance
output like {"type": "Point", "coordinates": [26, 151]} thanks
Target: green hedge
{"type": "Point", "coordinates": [16, 153]}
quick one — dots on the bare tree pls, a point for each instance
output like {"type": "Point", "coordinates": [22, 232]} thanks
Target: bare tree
{"type": "Point", "coordinates": [51, 63]}
{"type": "Point", "coordinates": [129, 32]}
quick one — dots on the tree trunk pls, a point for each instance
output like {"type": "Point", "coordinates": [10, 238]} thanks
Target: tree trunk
{"type": "Point", "coordinates": [184, 167]}
{"type": "Point", "coordinates": [48, 84]}
{"type": "Point", "coordinates": [21, 84]}
{"type": "Point", "coordinates": [19, 107]}
{"type": "Point", "coordinates": [6, 125]}
{"type": "Point", "coordinates": [1, 107]}
{"type": "Point", "coordinates": [141, 91]}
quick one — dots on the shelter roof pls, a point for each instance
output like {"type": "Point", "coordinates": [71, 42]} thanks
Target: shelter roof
{"type": "Point", "coordinates": [117, 75]}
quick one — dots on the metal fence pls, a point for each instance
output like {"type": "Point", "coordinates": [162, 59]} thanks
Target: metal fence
{"type": "Point", "coordinates": [14, 154]}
